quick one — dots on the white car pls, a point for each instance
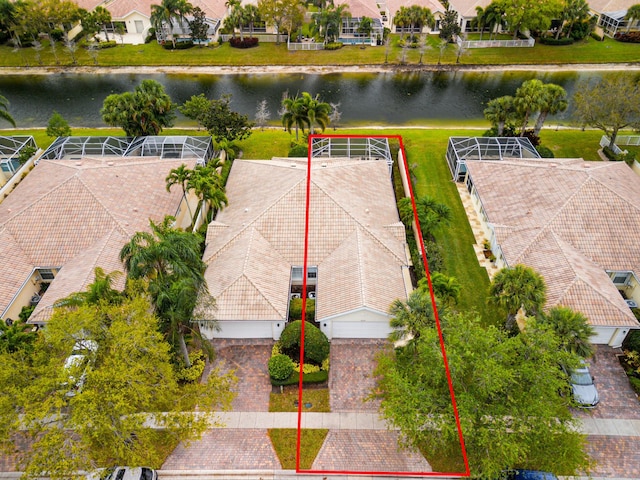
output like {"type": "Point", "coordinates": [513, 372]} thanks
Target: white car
{"type": "Point", "coordinates": [77, 361]}
{"type": "Point", "coordinates": [124, 473]}
{"type": "Point", "coordinates": [584, 391]}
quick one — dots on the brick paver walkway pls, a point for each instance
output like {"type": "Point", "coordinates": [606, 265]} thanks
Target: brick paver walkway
{"type": "Point", "coordinates": [350, 379]}
{"type": "Point", "coordinates": [226, 449]}
{"type": "Point", "coordinates": [617, 398]}
{"type": "Point", "coordinates": [615, 456]}
{"type": "Point", "coordinates": [367, 451]}
{"type": "Point", "coordinates": [249, 360]}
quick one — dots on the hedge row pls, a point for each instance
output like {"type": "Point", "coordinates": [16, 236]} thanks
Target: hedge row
{"type": "Point", "coordinates": [631, 37]}
{"type": "Point", "coordinates": [294, 379]}
{"type": "Point", "coordinates": [556, 41]}
{"type": "Point", "coordinates": [247, 42]}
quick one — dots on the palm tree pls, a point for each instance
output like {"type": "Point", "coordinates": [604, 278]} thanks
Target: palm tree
{"type": "Point", "coordinates": [499, 111]}
{"type": "Point", "coordinates": [294, 114]}
{"type": "Point", "coordinates": [4, 114]}
{"type": "Point", "coordinates": [554, 100]}
{"type": "Point", "coordinates": [446, 289]}
{"type": "Point", "coordinates": [572, 329]}
{"type": "Point", "coordinates": [494, 17]}
{"type": "Point", "coordinates": [528, 100]}
{"type": "Point", "coordinates": [250, 15]}
{"type": "Point", "coordinates": [402, 19]}
{"type": "Point", "coordinates": [100, 291]}
{"type": "Point", "coordinates": [421, 16]}
{"type": "Point", "coordinates": [234, 17]}
{"type": "Point", "coordinates": [516, 288]}
{"type": "Point", "coordinates": [170, 260]}
{"type": "Point", "coordinates": [365, 27]}
{"type": "Point", "coordinates": [163, 15]}
{"type": "Point", "coordinates": [317, 112]}
{"type": "Point", "coordinates": [574, 11]}
{"type": "Point", "coordinates": [208, 186]}
{"type": "Point", "coordinates": [481, 19]}
{"type": "Point", "coordinates": [633, 13]}
{"type": "Point", "coordinates": [180, 176]}
{"type": "Point", "coordinates": [409, 317]}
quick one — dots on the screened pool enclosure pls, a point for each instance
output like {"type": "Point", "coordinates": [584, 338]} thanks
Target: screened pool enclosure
{"type": "Point", "coordinates": [10, 150]}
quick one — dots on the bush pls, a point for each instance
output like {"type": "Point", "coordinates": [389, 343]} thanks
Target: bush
{"type": "Point", "coordinates": [151, 35]}
{"type": "Point", "coordinates": [181, 45]}
{"type": "Point", "coordinates": [295, 309]}
{"type": "Point", "coordinates": [195, 371]}
{"type": "Point", "coordinates": [280, 367]}
{"type": "Point", "coordinates": [247, 42]}
{"type": "Point", "coordinates": [631, 37]}
{"type": "Point", "coordinates": [299, 151]}
{"type": "Point", "coordinates": [103, 45]}
{"type": "Point", "coordinates": [635, 384]}
{"type": "Point", "coordinates": [294, 379]}
{"type": "Point", "coordinates": [609, 153]}
{"type": "Point", "coordinates": [544, 152]}
{"type": "Point", "coordinates": [597, 37]}
{"type": "Point", "coordinates": [57, 34]}
{"type": "Point", "coordinates": [316, 344]}
{"type": "Point", "coordinates": [555, 41]}
{"type": "Point", "coordinates": [632, 342]}
{"type": "Point", "coordinates": [533, 138]}
{"type": "Point", "coordinates": [333, 46]}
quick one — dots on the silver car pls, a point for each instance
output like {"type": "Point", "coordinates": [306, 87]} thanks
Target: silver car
{"type": "Point", "coordinates": [124, 473]}
{"type": "Point", "coordinates": [585, 393]}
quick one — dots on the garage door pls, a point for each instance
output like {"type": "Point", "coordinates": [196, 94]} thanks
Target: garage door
{"type": "Point", "coordinates": [602, 335]}
{"type": "Point", "coordinates": [358, 330]}
{"type": "Point", "coordinates": [241, 330]}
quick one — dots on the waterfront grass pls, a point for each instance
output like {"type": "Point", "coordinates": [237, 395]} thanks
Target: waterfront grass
{"type": "Point", "coordinates": [284, 443]}
{"type": "Point", "coordinates": [588, 51]}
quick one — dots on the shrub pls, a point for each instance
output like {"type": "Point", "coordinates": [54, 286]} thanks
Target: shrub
{"type": "Point", "coordinates": [294, 379]}
{"type": "Point", "coordinates": [181, 45]}
{"type": "Point", "coordinates": [635, 384]}
{"type": "Point", "coordinates": [632, 342]}
{"type": "Point", "coordinates": [151, 35]}
{"type": "Point", "coordinates": [295, 309]}
{"type": "Point", "coordinates": [247, 42]}
{"type": "Point", "coordinates": [195, 371]}
{"type": "Point", "coordinates": [57, 34]}
{"type": "Point", "coordinates": [306, 368]}
{"type": "Point", "coordinates": [103, 45]}
{"type": "Point", "coordinates": [299, 151]}
{"type": "Point", "coordinates": [609, 153]}
{"type": "Point", "coordinates": [280, 367]}
{"type": "Point", "coordinates": [316, 344]}
{"type": "Point", "coordinates": [597, 37]}
{"type": "Point", "coordinates": [631, 37]}
{"type": "Point", "coordinates": [556, 41]}
{"type": "Point", "coordinates": [333, 46]}
{"type": "Point", "coordinates": [544, 152]}
{"type": "Point", "coordinates": [533, 138]}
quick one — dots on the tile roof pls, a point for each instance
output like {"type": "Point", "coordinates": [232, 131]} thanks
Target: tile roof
{"type": "Point", "coordinates": [610, 6]}
{"type": "Point", "coordinates": [467, 8]}
{"type": "Point", "coordinates": [433, 5]}
{"type": "Point", "coordinates": [122, 8]}
{"type": "Point", "coordinates": [571, 220]}
{"type": "Point", "coordinates": [77, 215]}
{"type": "Point", "coordinates": [353, 238]}
{"type": "Point", "coordinates": [361, 8]}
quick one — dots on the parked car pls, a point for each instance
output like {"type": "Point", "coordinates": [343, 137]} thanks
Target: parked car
{"type": "Point", "coordinates": [529, 475]}
{"type": "Point", "coordinates": [124, 473]}
{"type": "Point", "coordinates": [585, 393]}
{"type": "Point", "coordinates": [78, 361]}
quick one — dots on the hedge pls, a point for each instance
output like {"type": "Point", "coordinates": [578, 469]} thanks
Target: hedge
{"type": "Point", "coordinates": [316, 344]}
{"type": "Point", "coordinates": [243, 42]}
{"type": "Point", "coordinates": [280, 367]}
{"type": "Point", "coordinates": [299, 151]}
{"type": "Point", "coordinates": [333, 46]}
{"type": "Point", "coordinates": [597, 37]}
{"type": "Point", "coordinates": [294, 379]}
{"type": "Point", "coordinates": [556, 41]}
{"type": "Point", "coordinates": [544, 152]}
{"type": "Point", "coordinates": [631, 37]}
{"type": "Point", "coordinates": [181, 45]}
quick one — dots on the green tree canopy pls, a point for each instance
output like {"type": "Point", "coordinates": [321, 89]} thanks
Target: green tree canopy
{"type": "Point", "coordinates": [449, 26]}
{"type": "Point", "coordinates": [4, 111]}
{"type": "Point", "coordinates": [58, 126]}
{"type": "Point", "coordinates": [129, 382]}
{"type": "Point", "coordinates": [500, 112]}
{"type": "Point", "coordinates": [506, 390]}
{"type": "Point", "coordinates": [572, 329]}
{"type": "Point", "coordinates": [217, 117]}
{"type": "Point", "coordinates": [432, 214]}
{"type": "Point", "coordinates": [282, 14]}
{"type": "Point", "coordinates": [633, 13]}
{"type": "Point", "coordinates": [524, 15]}
{"type": "Point", "coordinates": [145, 111]}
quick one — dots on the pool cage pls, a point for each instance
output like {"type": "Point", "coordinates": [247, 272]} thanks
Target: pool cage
{"type": "Point", "coordinates": [10, 150]}
{"type": "Point", "coordinates": [358, 148]}
{"type": "Point", "coordinates": [463, 149]}
{"type": "Point", "coordinates": [75, 148]}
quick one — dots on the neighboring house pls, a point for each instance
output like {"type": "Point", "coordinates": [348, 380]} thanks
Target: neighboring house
{"type": "Point", "coordinates": [357, 260]}
{"type": "Point", "coordinates": [576, 223]}
{"type": "Point", "coordinates": [467, 12]}
{"type": "Point", "coordinates": [391, 7]}
{"type": "Point", "coordinates": [10, 150]}
{"type": "Point", "coordinates": [610, 14]}
{"type": "Point", "coordinates": [77, 208]}
{"type": "Point", "coordinates": [359, 9]}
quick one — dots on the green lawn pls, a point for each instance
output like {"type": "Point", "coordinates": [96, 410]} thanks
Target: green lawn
{"type": "Point", "coordinates": [284, 443]}
{"type": "Point", "coordinates": [589, 51]}
{"type": "Point", "coordinates": [285, 402]}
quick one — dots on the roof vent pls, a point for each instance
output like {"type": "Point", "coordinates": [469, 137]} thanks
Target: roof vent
{"type": "Point", "coordinates": [324, 164]}
{"type": "Point", "coordinates": [78, 164]}
{"type": "Point", "coordinates": [366, 210]}
{"type": "Point", "coordinates": [293, 165]}
{"type": "Point", "coordinates": [110, 164]}
{"type": "Point", "coordinates": [246, 210]}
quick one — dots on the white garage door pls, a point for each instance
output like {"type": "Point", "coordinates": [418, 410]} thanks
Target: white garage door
{"type": "Point", "coordinates": [359, 330]}
{"type": "Point", "coordinates": [247, 329]}
{"type": "Point", "coordinates": [602, 335]}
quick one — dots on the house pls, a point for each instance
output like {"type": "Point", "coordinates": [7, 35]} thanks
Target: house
{"type": "Point", "coordinates": [467, 12]}
{"type": "Point", "coordinates": [576, 223]}
{"type": "Point", "coordinates": [359, 9]}
{"type": "Point", "coordinates": [610, 14]}
{"type": "Point", "coordinates": [76, 209]}
{"type": "Point", "coordinates": [11, 149]}
{"type": "Point", "coordinates": [357, 259]}
{"type": "Point", "coordinates": [391, 7]}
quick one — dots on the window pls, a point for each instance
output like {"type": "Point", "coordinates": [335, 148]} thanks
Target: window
{"type": "Point", "coordinates": [620, 278]}
{"type": "Point", "coordinates": [139, 26]}
{"type": "Point", "coordinates": [312, 272]}
{"type": "Point", "coordinates": [296, 273]}
{"type": "Point", "coordinates": [46, 274]}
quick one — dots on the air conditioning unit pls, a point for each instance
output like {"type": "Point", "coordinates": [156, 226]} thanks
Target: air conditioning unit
{"type": "Point", "coordinates": [294, 295]}
{"type": "Point", "coordinates": [312, 295]}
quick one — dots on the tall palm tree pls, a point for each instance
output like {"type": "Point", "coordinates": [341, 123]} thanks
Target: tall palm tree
{"type": "Point", "coordinates": [208, 186]}
{"type": "Point", "coordinates": [554, 100]}
{"type": "Point", "coordinates": [402, 19]}
{"type": "Point", "coordinates": [633, 13]}
{"type": "Point", "coordinates": [573, 11]}
{"type": "Point", "coordinates": [317, 111]}
{"type": "Point", "coordinates": [572, 329]}
{"type": "Point", "coordinates": [480, 20]}
{"type": "Point", "coordinates": [527, 101]}
{"type": "Point", "coordinates": [421, 17]}
{"type": "Point", "coordinates": [4, 114]}
{"type": "Point", "coordinates": [250, 15]}
{"type": "Point", "coordinates": [516, 288]}
{"type": "Point", "coordinates": [294, 114]}
{"type": "Point", "coordinates": [499, 111]}
{"type": "Point", "coordinates": [163, 15]}
{"type": "Point", "coordinates": [494, 17]}
{"type": "Point", "coordinates": [234, 17]}
{"type": "Point", "coordinates": [409, 317]}
{"type": "Point", "coordinates": [180, 176]}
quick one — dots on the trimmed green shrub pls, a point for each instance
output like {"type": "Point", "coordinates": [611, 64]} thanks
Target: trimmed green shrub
{"type": "Point", "coordinates": [103, 45]}
{"type": "Point", "coordinates": [57, 34]}
{"type": "Point", "coordinates": [299, 151]}
{"type": "Point", "coordinates": [295, 309]}
{"type": "Point", "coordinates": [632, 342]}
{"type": "Point", "coordinates": [316, 344]}
{"type": "Point", "coordinates": [181, 45]}
{"type": "Point", "coordinates": [556, 41]}
{"type": "Point", "coordinates": [333, 46]}
{"type": "Point", "coordinates": [294, 379]}
{"type": "Point", "coordinates": [280, 367]}
{"type": "Point", "coordinates": [597, 37]}
{"type": "Point", "coordinates": [545, 152]}
{"type": "Point", "coordinates": [151, 35]}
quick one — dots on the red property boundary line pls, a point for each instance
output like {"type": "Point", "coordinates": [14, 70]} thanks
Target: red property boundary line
{"type": "Point", "coordinates": [420, 240]}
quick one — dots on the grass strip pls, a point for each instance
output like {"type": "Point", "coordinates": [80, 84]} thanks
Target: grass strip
{"type": "Point", "coordinates": [284, 443]}
{"type": "Point", "coordinates": [285, 402]}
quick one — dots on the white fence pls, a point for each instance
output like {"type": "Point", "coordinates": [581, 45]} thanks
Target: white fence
{"type": "Point", "coordinates": [529, 42]}
{"type": "Point", "coordinates": [305, 46]}
{"type": "Point", "coordinates": [605, 141]}
{"type": "Point", "coordinates": [262, 37]}
{"type": "Point", "coordinates": [633, 140]}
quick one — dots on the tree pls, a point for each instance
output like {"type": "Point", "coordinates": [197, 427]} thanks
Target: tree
{"type": "Point", "coordinates": [402, 20]}
{"type": "Point", "coordinates": [365, 27]}
{"type": "Point", "coordinates": [4, 111]}
{"type": "Point", "coordinates": [96, 20]}
{"type": "Point", "coordinates": [170, 260]}
{"type": "Point", "coordinates": [224, 123]}
{"type": "Point", "coordinates": [523, 15]}
{"type": "Point", "coordinates": [17, 336]}
{"type": "Point", "coordinates": [494, 17]}
{"type": "Point", "coordinates": [506, 391]}
{"type": "Point", "coordinates": [553, 101]}
{"type": "Point", "coordinates": [130, 383]}
{"type": "Point", "coordinates": [163, 15]}
{"type": "Point", "coordinates": [198, 26]}
{"type": "Point", "coordinates": [633, 13]}
{"type": "Point", "coordinates": [294, 114]}
{"type": "Point", "coordinates": [573, 11]}
{"type": "Point", "coordinates": [250, 16]}
{"type": "Point", "coordinates": [572, 329]}
{"type": "Point", "coordinates": [233, 20]}
{"type": "Point", "coordinates": [527, 101]}
{"type": "Point", "coordinates": [145, 111]}
{"type": "Point", "coordinates": [421, 17]}
{"type": "Point", "coordinates": [410, 318]}
{"type": "Point", "coordinates": [336, 114]}
{"type": "Point", "coordinates": [58, 126]}
{"type": "Point", "coordinates": [180, 176]}
{"type": "Point", "coordinates": [317, 111]}
{"type": "Point", "coordinates": [328, 21]}
{"type": "Point", "coordinates": [449, 26]}
{"type": "Point", "coordinates": [499, 111]}
{"type": "Point", "coordinates": [262, 113]}
{"type": "Point", "coordinates": [281, 14]}
{"type": "Point", "coordinates": [480, 20]}
{"type": "Point", "coordinates": [431, 214]}
{"type": "Point", "coordinates": [100, 291]}
{"type": "Point", "coordinates": [195, 108]}
{"type": "Point", "coordinates": [207, 184]}
{"type": "Point", "coordinates": [446, 289]}
{"type": "Point", "coordinates": [610, 105]}
{"type": "Point", "coordinates": [516, 288]}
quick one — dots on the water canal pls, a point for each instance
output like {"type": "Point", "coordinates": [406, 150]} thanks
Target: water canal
{"type": "Point", "coordinates": [374, 98]}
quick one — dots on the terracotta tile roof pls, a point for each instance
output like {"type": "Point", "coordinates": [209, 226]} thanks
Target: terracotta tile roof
{"type": "Point", "coordinates": [467, 8]}
{"type": "Point", "coordinates": [433, 5]}
{"type": "Point", "coordinates": [610, 6]}
{"type": "Point", "coordinates": [570, 220]}
{"type": "Point", "coordinates": [77, 215]}
{"type": "Point", "coordinates": [361, 8]}
{"type": "Point", "coordinates": [122, 8]}
{"type": "Point", "coordinates": [353, 232]}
